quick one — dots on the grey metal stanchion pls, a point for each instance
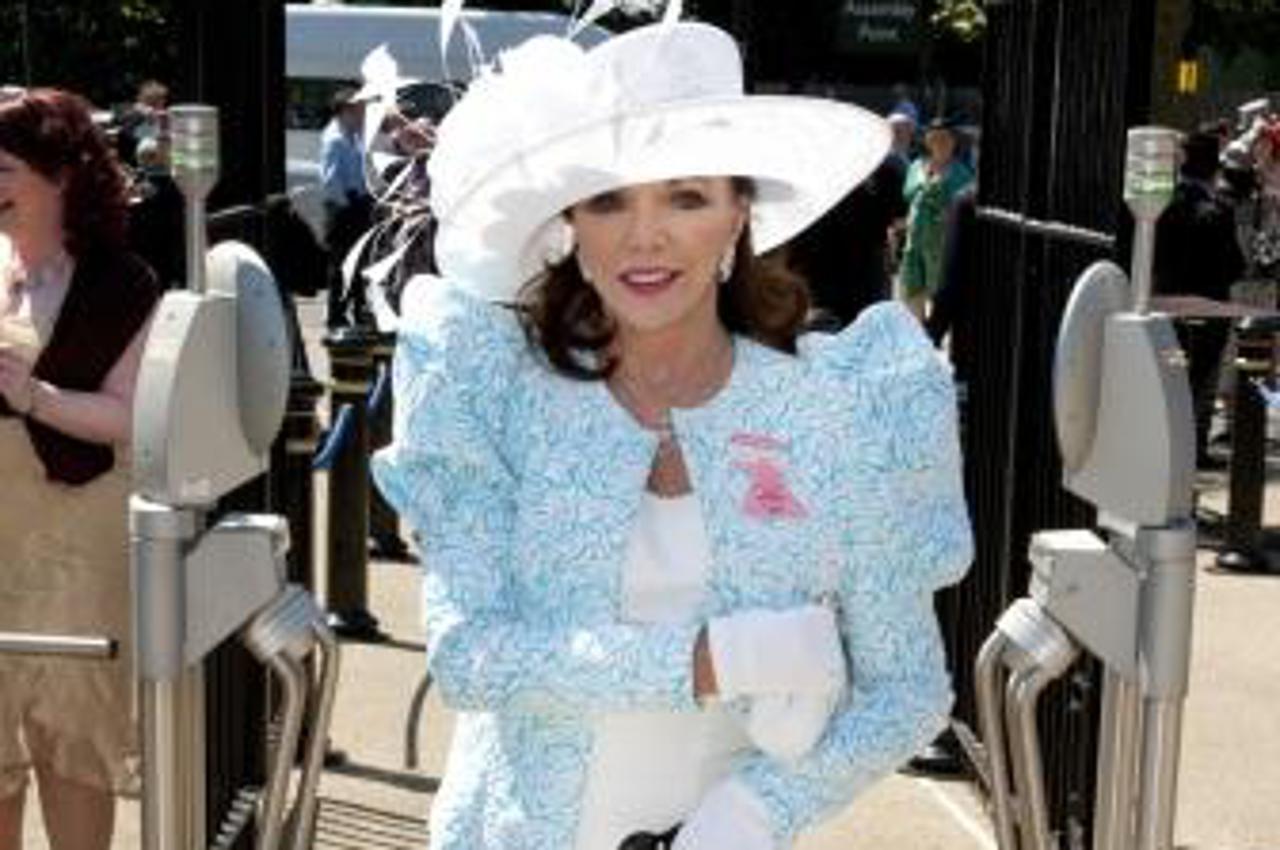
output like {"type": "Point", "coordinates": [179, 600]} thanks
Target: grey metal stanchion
{"type": "Point", "coordinates": [1125, 428]}
{"type": "Point", "coordinates": [347, 571]}
{"type": "Point", "coordinates": [300, 436]}
{"type": "Point", "coordinates": [1255, 341]}
{"type": "Point", "coordinates": [210, 397]}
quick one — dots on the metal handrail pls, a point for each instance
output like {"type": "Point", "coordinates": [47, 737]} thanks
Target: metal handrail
{"type": "Point", "coordinates": [1055, 229]}
{"type": "Point", "coordinates": [25, 643]}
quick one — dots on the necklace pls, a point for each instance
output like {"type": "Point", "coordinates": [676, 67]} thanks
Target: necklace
{"type": "Point", "coordinates": [651, 405]}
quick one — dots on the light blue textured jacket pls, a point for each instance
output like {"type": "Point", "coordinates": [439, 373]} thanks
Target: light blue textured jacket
{"type": "Point", "coordinates": [523, 485]}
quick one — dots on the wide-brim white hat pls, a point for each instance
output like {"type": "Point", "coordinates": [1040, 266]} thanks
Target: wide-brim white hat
{"type": "Point", "coordinates": [554, 124]}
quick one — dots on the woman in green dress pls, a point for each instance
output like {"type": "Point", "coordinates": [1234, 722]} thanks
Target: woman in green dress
{"type": "Point", "coordinates": [933, 181]}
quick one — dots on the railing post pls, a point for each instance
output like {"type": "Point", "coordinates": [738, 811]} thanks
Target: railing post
{"type": "Point", "coordinates": [1248, 449]}
{"type": "Point", "coordinates": [347, 592]}
{"type": "Point", "coordinates": [293, 453]}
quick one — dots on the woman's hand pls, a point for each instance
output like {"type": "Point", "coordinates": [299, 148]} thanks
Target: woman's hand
{"type": "Point", "coordinates": [790, 663]}
{"type": "Point", "coordinates": [786, 726]}
{"type": "Point", "coordinates": [728, 818]}
{"type": "Point", "coordinates": [16, 383]}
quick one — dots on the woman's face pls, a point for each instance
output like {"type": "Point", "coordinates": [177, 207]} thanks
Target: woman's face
{"type": "Point", "coordinates": [29, 201]}
{"type": "Point", "coordinates": [941, 145]}
{"type": "Point", "coordinates": [652, 251]}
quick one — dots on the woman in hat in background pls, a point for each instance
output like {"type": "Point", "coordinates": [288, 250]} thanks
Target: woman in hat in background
{"type": "Point", "coordinates": [678, 563]}
{"type": "Point", "coordinates": [933, 182]}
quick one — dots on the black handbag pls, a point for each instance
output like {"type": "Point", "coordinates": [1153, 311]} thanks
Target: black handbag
{"type": "Point", "coordinates": [650, 840]}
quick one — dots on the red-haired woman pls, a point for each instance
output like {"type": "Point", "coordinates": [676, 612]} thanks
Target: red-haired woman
{"type": "Point", "coordinates": [74, 306]}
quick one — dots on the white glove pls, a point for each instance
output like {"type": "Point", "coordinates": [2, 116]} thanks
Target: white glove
{"type": "Point", "coordinates": [786, 726]}
{"type": "Point", "coordinates": [730, 817]}
{"type": "Point", "coordinates": [794, 651]}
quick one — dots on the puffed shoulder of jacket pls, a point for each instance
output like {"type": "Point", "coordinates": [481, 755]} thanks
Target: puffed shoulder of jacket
{"type": "Point", "coordinates": [457, 358]}
{"type": "Point", "coordinates": [890, 376]}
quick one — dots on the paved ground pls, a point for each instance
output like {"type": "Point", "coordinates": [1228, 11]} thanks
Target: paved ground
{"type": "Point", "coordinates": [1231, 747]}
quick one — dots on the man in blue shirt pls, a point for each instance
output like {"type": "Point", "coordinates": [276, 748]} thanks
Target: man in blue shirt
{"type": "Point", "coordinates": [347, 203]}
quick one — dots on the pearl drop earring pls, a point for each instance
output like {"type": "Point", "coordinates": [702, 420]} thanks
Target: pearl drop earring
{"type": "Point", "coordinates": [561, 245]}
{"type": "Point", "coordinates": [724, 269]}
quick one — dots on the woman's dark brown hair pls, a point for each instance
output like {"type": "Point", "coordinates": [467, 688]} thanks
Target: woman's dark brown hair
{"type": "Point", "coordinates": [564, 317]}
{"type": "Point", "coordinates": [53, 132]}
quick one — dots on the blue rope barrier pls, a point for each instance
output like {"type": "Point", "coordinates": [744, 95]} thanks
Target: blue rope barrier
{"type": "Point", "coordinates": [381, 392]}
{"type": "Point", "coordinates": [1270, 397]}
{"type": "Point", "coordinates": [338, 438]}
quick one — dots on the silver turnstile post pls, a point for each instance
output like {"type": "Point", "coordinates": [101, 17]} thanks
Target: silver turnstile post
{"type": "Point", "coordinates": [1124, 422]}
{"type": "Point", "coordinates": [210, 398]}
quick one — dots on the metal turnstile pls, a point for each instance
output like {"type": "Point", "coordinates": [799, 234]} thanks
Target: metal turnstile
{"type": "Point", "coordinates": [1125, 430]}
{"type": "Point", "coordinates": [210, 398]}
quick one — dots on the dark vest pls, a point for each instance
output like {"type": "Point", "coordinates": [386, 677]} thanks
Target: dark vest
{"type": "Point", "coordinates": [109, 298]}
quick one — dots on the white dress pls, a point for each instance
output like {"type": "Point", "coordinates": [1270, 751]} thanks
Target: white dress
{"type": "Point", "coordinates": [649, 770]}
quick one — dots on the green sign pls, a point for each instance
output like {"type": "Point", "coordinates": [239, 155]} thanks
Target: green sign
{"type": "Point", "coordinates": [877, 25]}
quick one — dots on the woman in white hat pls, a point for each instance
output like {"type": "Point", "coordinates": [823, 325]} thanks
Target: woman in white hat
{"type": "Point", "coordinates": [678, 563]}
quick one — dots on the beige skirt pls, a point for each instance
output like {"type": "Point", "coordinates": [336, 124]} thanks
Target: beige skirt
{"type": "Point", "coordinates": [64, 569]}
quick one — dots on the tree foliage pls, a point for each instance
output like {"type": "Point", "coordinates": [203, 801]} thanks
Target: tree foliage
{"type": "Point", "coordinates": [102, 50]}
{"type": "Point", "coordinates": [1233, 25]}
{"type": "Point", "coordinates": [1244, 6]}
{"type": "Point", "coordinates": [961, 19]}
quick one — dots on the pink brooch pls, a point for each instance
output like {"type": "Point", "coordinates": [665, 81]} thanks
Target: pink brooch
{"type": "Point", "coordinates": [760, 442]}
{"type": "Point", "coordinates": [768, 494]}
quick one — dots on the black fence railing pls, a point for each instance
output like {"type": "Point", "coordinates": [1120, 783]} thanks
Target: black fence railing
{"type": "Point", "coordinates": [239, 700]}
{"type": "Point", "coordinates": [1059, 91]}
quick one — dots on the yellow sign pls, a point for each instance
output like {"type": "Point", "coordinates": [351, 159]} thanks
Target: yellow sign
{"type": "Point", "coordinates": [1188, 76]}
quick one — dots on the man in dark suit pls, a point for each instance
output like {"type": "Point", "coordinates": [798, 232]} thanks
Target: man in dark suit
{"type": "Point", "coordinates": [1197, 254]}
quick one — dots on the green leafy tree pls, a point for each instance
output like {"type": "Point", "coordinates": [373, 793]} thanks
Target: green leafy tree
{"type": "Point", "coordinates": [961, 19]}
{"type": "Point", "coordinates": [102, 50]}
{"type": "Point", "coordinates": [1245, 6]}
{"type": "Point", "coordinates": [1233, 25]}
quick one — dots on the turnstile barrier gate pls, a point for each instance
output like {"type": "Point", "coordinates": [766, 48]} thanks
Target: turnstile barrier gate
{"type": "Point", "coordinates": [210, 398]}
{"type": "Point", "coordinates": [1122, 407]}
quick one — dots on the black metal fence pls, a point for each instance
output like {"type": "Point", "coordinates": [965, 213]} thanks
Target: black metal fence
{"type": "Point", "coordinates": [1063, 80]}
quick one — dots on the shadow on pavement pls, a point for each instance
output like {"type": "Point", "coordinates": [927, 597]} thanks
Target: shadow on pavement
{"type": "Point", "coordinates": [401, 779]}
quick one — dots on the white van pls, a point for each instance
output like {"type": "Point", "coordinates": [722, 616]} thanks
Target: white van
{"type": "Point", "coordinates": [324, 46]}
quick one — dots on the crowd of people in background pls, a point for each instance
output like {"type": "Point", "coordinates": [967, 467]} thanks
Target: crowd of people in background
{"type": "Point", "coordinates": [1221, 230]}
{"type": "Point", "coordinates": [889, 236]}
{"type": "Point", "coordinates": [908, 230]}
